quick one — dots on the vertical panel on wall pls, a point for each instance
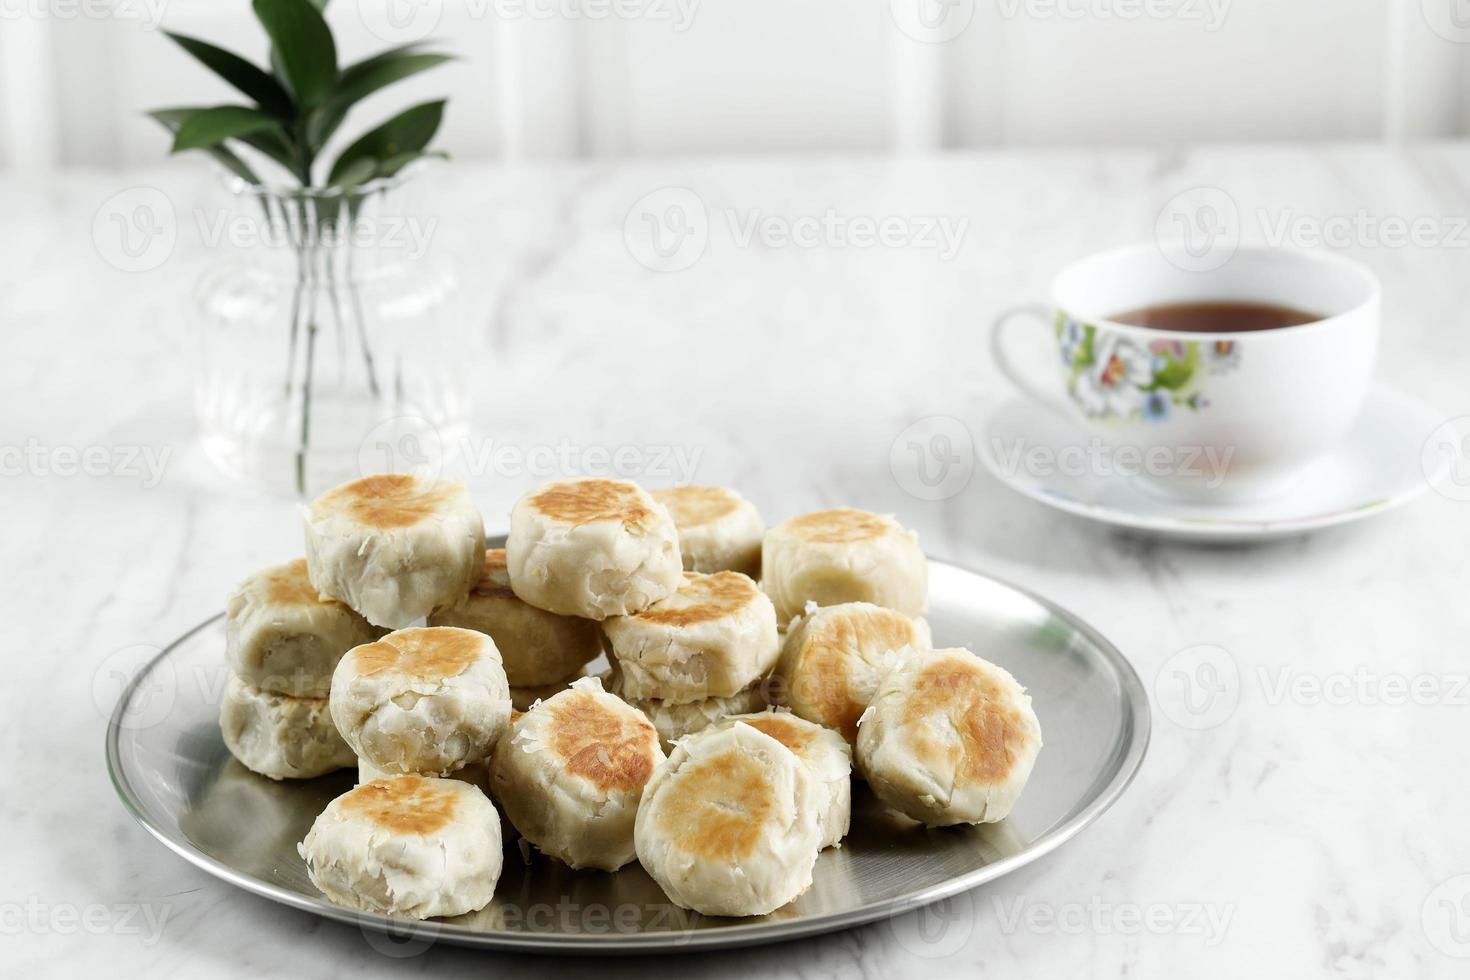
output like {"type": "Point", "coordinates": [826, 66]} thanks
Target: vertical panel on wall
{"type": "Point", "coordinates": [977, 80]}
{"type": "Point", "coordinates": [750, 76]}
{"type": "Point", "coordinates": [539, 76]}
{"type": "Point", "coordinates": [29, 137]}
{"type": "Point", "coordinates": [917, 93]}
{"type": "Point", "coordinates": [606, 111]}
{"type": "Point", "coordinates": [1079, 71]}
{"type": "Point", "coordinates": [1425, 72]}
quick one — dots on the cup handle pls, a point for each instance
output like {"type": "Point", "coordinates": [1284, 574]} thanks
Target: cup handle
{"type": "Point", "coordinates": [1041, 393]}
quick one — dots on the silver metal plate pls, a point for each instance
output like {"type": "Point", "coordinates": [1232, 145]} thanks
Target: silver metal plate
{"type": "Point", "coordinates": [173, 772]}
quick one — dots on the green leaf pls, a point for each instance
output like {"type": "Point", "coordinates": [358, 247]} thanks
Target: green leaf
{"type": "Point", "coordinates": [224, 156]}
{"type": "Point", "coordinates": [392, 165]}
{"type": "Point", "coordinates": [302, 47]}
{"type": "Point", "coordinates": [408, 132]}
{"type": "Point", "coordinates": [359, 171]}
{"type": "Point", "coordinates": [274, 144]}
{"type": "Point", "coordinates": [1086, 351]}
{"type": "Point", "coordinates": [207, 127]}
{"type": "Point", "coordinates": [322, 123]}
{"type": "Point", "coordinates": [244, 76]}
{"type": "Point", "coordinates": [1175, 374]}
{"type": "Point", "coordinates": [363, 79]}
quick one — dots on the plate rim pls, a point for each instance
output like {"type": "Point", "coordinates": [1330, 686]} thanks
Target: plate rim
{"type": "Point", "coordinates": [1225, 529]}
{"type": "Point", "coordinates": [1129, 761]}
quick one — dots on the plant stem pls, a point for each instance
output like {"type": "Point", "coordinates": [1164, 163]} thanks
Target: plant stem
{"type": "Point", "coordinates": [308, 255]}
{"type": "Point", "coordinates": [367, 354]}
{"type": "Point", "coordinates": [295, 304]}
{"type": "Point", "coordinates": [362, 335]}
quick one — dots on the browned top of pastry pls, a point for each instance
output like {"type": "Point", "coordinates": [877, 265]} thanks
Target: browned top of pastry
{"type": "Point", "coordinates": [845, 525]}
{"type": "Point", "coordinates": [430, 652]}
{"type": "Point", "coordinates": [588, 501]}
{"type": "Point", "coordinates": [702, 598]}
{"type": "Point", "coordinates": [403, 804]}
{"type": "Point", "coordinates": [693, 506]}
{"type": "Point", "coordinates": [387, 500]}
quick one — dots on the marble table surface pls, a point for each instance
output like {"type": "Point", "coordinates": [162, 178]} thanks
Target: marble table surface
{"type": "Point", "coordinates": [1314, 829]}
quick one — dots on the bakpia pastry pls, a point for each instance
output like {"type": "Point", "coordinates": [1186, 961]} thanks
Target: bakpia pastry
{"type": "Point", "coordinates": [719, 530]}
{"type": "Point", "coordinates": [571, 771]}
{"type": "Point", "coordinates": [844, 555]}
{"type": "Point", "coordinates": [411, 846]}
{"type": "Point", "coordinates": [730, 824]}
{"type": "Point", "coordinates": [537, 647]}
{"type": "Point", "coordinates": [428, 700]}
{"type": "Point", "coordinates": [592, 548]}
{"type": "Point", "coordinates": [674, 719]}
{"type": "Point", "coordinates": [825, 753]}
{"type": "Point", "coordinates": [282, 636]}
{"type": "Point", "coordinates": [712, 638]}
{"type": "Point", "coordinates": [394, 547]}
{"type": "Point", "coordinates": [833, 658]}
{"type": "Point", "coordinates": [949, 739]}
{"type": "Point", "coordinates": [280, 736]}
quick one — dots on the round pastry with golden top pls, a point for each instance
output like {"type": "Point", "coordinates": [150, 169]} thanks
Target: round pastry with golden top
{"type": "Point", "coordinates": [949, 739]}
{"type": "Point", "coordinates": [833, 658]}
{"type": "Point", "coordinates": [429, 700]}
{"type": "Point", "coordinates": [394, 546]}
{"type": "Point", "coordinates": [731, 823]}
{"type": "Point", "coordinates": [592, 548]}
{"type": "Point", "coordinates": [411, 846]}
{"type": "Point", "coordinates": [537, 647]}
{"type": "Point", "coordinates": [281, 736]}
{"type": "Point", "coordinates": [719, 530]}
{"type": "Point", "coordinates": [825, 753]}
{"type": "Point", "coordinates": [282, 636]}
{"type": "Point", "coordinates": [571, 771]}
{"type": "Point", "coordinates": [843, 555]}
{"type": "Point", "coordinates": [712, 638]}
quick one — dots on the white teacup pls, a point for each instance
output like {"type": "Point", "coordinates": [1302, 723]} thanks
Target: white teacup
{"type": "Point", "coordinates": [1220, 417]}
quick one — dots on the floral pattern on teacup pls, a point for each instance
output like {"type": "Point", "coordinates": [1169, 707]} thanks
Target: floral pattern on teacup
{"type": "Point", "coordinates": [1113, 376]}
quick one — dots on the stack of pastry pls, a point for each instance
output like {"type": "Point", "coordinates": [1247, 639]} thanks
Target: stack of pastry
{"type": "Point", "coordinates": [282, 642]}
{"type": "Point", "coordinates": [672, 757]}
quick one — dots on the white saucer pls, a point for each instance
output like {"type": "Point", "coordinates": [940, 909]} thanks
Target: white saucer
{"type": "Point", "coordinates": [1379, 466]}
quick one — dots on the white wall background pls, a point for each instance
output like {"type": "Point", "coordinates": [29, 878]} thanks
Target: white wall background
{"type": "Point", "coordinates": [594, 78]}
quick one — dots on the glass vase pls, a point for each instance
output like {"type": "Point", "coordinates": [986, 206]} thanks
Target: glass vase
{"type": "Point", "coordinates": [329, 346]}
